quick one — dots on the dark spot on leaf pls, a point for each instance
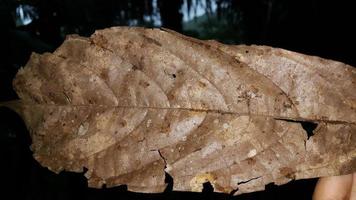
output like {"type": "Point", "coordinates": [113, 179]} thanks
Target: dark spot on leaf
{"type": "Point", "coordinates": [287, 172]}
{"type": "Point", "coordinates": [174, 75]}
{"type": "Point", "coordinates": [251, 161]}
{"type": "Point", "coordinates": [201, 84]}
{"type": "Point", "coordinates": [137, 67]}
{"type": "Point", "coordinates": [143, 83]}
{"type": "Point", "coordinates": [166, 127]}
{"type": "Point", "coordinates": [100, 40]}
{"type": "Point", "coordinates": [170, 97]}
{"type": "Point", "coordinates": [104, 74]}
{"type": "Point", "coordinates": [123, 123]}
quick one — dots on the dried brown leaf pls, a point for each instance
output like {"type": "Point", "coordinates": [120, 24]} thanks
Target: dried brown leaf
{"type": "Point", "coordinates": [130, 104]}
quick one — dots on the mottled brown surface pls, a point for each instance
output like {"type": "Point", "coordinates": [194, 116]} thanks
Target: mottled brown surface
{"type": "Point", "coordinates": [130, 104]}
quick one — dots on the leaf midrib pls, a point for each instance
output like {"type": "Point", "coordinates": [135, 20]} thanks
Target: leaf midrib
{"type": "Point", "coordinates": [276, 117]}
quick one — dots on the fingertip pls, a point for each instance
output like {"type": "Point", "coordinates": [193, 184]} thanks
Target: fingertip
{"type": "Point", "coordinates": [353, 189]}
{"type": "Point", "coordinates": [335, 187]}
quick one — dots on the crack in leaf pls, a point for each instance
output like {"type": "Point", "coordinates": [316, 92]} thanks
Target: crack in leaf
{"type": "Point", "coordinates": [251, 179]}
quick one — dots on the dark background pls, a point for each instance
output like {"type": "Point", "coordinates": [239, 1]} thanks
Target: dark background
{"type": "Point", "coordinates": [316, 27]}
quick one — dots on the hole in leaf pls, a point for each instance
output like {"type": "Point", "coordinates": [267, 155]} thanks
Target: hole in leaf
{"type": "Point", "coordinates": [85, 170]}
{"type": "Point", "coordinates": [309, 128]}
{"type": "Point", "coordinates": [207, 188]}
{"type": "Point", "coordinates": [169, 180]}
